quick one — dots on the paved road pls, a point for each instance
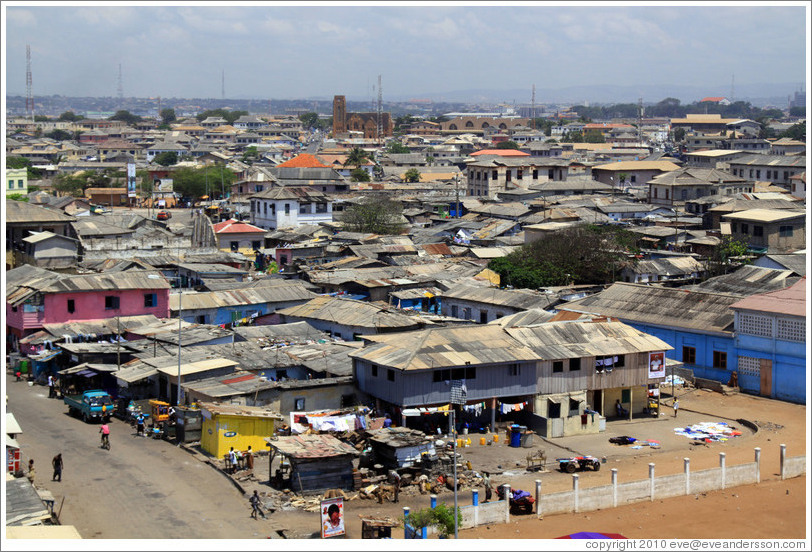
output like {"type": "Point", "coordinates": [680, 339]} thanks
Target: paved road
{"type": "Point", "coordinates": [141, 488]}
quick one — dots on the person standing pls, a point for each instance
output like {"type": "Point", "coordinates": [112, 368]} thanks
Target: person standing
{"type": "Point", "coordinates": [676, 407]}
{"type": "Point", "coordinates": [31, 472]}
{"type": "Point", "coordinates": [255, 504]}
{"type": "Point", "coordinates": [249, 458]}
{"type": "Point", "coordinates": [232, 460]}
{"type": "Point", "coordinates": [51, 393]}
{"type": "Point", "coordinates": [396, 476]}
{"type": "Point", "coordinates": [57, 463]}
{"type": "Point", "coordinates": [488, 489]}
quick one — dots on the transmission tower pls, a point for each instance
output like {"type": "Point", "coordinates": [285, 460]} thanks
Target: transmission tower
{"type": "Point", "coordinates": [223, 84]}
{"type": "Point", "coordinates": [640, 120]}
{"type": "Point", "coordinates": [533, 109]}
{"type": "Point", "coordinates": [29, 91]}
{"type": "Point", "coordinates": [380, 110]}
{"type": "Point", "coordinates": [120, 85]}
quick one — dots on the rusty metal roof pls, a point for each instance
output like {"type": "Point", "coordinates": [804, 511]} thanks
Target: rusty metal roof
{"type": "Point", "coordinates": [284, 291]}
{"type": "Point", "coordinates": [517, 299]}
{"type": "Point", "coordinates": [311, 447]}
{"type": "Point", "coordinates": [791, 301]}
{"type": "Point", "coordinates": [349, 312]}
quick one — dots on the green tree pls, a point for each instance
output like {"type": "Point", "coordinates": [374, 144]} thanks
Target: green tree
{"type": "Point", "coordinates": [796, 132]}
{"type": "Point", "coordinates": [71, 184]}
{"type": "Point", "coordinates": [440, 517]}
{"type": "Point", "coordinates": [412, 175]}
{"type": "Point", "coordinates": [59, 134]}
{"type": "Point", "coordinates": [397, 147]}
{"type": "Point", "coordinates": [166, 158]}
{"type": "Point", "coordinates": [797, 111]}
{"type": "Point", "coordinates": [228, 115]}
{"type": "Point", "coordinates": [507, 144]}
{"type": "Point", "coordinates": [69, 116]}
{"type": "Point", "coordinates": [250, 155]}
{"type": "Point", "coordinates": [679, 134]}
{"type": "Point", "coordinates": [376, 215]}
{"type": "Point", "coordinates": [359, 175]}
{"type": "Point", "coordinates": [377, 173]}
{"type": "Point", "coordinates": [17, 197]}
{"type": "Point", "coordinates": [574, 136]}
{"type": "Point", "coordinates": [594, 137]}
{"type": "Point", "coordinates": [403, 122]}
{"type": "Point", "coordinates": [727, 256]}
{"type": "Point", "coordinates": [168, 115]}
{"type": "Point", "coordinates": [310, 119]}
{"type": "Point", "coordinates": [41, 118]}
{"type": "Point", "coordinates": [23, 163]}
{"type": "Point", "coordinates": [126, 116]}
{"type": "Point", "coordinates": [356, 158]}
{"type": "Point", "coordinates": [197, 182]}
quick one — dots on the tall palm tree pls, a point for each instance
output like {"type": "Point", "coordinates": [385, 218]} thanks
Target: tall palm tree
{"type": "Point", "coordinates": [356, 158]}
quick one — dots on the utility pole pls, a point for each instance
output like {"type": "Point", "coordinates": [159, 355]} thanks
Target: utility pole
{"type": "Point", "coordinates": [29, 93]}
{"type": "Point", "coordinates": [379, 128]}
{"type": "Point", "coordinates": [457, 190]}
{"type": "Point", "coordinates": [118, 342]}
{"type": "Point", "coordinates": [533, 109]}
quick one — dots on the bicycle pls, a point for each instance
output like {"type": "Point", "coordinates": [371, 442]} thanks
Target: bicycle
{"type": "Point", "coordinates": [105, 442]}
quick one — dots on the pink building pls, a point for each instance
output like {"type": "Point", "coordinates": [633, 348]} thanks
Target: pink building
{"type": "Point", "coordinates": [35, 297]}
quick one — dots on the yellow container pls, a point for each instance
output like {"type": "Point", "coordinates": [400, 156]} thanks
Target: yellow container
{"type": "Point", "coordinates": [482, 440]}
{"type": "Point", "coordinates": [459, 443]}
{"type": "Point", "coordinates": [468, 442]}
{"type": "Point", "coordinates": [495, 437]}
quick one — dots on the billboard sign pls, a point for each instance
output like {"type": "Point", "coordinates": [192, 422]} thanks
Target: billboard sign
{"type": "Point", "coordinates": [332, 517]}
{"type": "Point", "coordinates": [656, 365]}
{"type": "Point", "coordinates": [130, 179]}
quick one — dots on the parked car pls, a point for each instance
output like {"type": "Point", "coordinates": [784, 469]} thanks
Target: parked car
{"type": "Point", "coordinates": [164, 215]}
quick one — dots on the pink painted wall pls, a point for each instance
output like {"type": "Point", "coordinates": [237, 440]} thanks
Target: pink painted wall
{"type": "Point", "coordinates": [88, 306]}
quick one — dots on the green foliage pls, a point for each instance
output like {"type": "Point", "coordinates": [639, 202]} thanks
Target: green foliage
{"type": "Point", "coordinates": [356, 157]}
{"type": "Point", "coordinates": [585, 254]}
{"type": "Point", "coordinates": [69, 116]}
{"type": "Point", "coordinates": [126, 116]}
{"type": "Point", "coordinates": [679, 134]}
{"type": "Point", "coordinates": [17, 197]}
{"type": "Point", "coordinates": [59, 134]}
{"type": "Point", "coordinates": [545, 125]}
{"type": "Point", "coordinates": [594, 137]}
{"type": "Point", "coordinates": [378, 173]}
{"type": "Point", "coordinates": [412, 175]}
{"type": "Point", "coordinates": [796, 132]}
{"type": "Point", "coordinates": [71, 184]}
{"type": "Point", "coordinates": [359, 175]}
{"type": "Point", "coordinates": [440, 517]}
{"type": "Point", "coordinates": [727, 256]}
{"type": "Point", "coordinates": [403, 122]}
{"type": "Point", "coordinates": [168, 115]}
{"type": "Point", "coordinates": [166, 158]}
{"type": "Point", "coordinates": [574, 136]}
{"type": "Point", "coordinates": [397, 147]}
{"type": "Point", "coordinates": [228, 115]}
{"type": "Point", "coordinates": [376, 215]}
{"type": "Point", "coordinates": [41, 118]}
{"type": "Point", "coordinates": [250, 154]}
{"type": "Point", "coordinates": [17, 162]}
{"type": "Point", "coordinates": [507, 144]}
{"type": "Point", "coordinates": [194, 183]}
{"type": "Point", "coordinates": [310, 120]}
{"type": "Point", "coordinates": [797, 111]}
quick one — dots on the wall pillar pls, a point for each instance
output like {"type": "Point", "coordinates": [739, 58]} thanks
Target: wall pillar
{"type": "Point", "coordinates": [493, 415]}
{"type": "Point", "coordinates": [406, 525]}
{"type": "Point", "coordinates": [783, 458]}
{"type": "Point", "coordinates": [651, 480]}
{"type": "Point", "coordinates": [758, 464]}
{"type": "Point", "coordinates": [433, 501]}
{"type": "Point", "coordinates": [723, 467]}
{"type": "Point", "coordinates": [614, 487]}
{"type": "Point", "coordinates": [507, 502]}
{"type": "Point", "coordinates": [538, 498]}
{"type": "Point", "coordinates": [687, 462]}
{"type": "Point", "coordinates": [575, 492]}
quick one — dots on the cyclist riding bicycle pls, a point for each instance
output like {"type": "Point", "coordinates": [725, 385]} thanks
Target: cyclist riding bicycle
{"type": "Point", "coordinates": [105, 435]}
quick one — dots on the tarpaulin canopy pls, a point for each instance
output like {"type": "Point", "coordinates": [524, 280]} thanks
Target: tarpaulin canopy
{"type": "Point", "coordinates": [592, 535]}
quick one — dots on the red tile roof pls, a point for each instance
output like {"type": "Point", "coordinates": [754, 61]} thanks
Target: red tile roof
{"type": "Point", "coordinates": [712, 99]}
{"type": "Point", "coordinates": [501, 152]}
{"type": "Point", "coordinates": [304, 160]}
{"type": "Point", "coordinates": [232, 226]}
{"type": "Point", "coordinates": [592, 126]}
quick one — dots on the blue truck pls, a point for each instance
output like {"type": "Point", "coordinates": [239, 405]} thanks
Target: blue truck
{"type": "Point", "coordinates": [91, 405]}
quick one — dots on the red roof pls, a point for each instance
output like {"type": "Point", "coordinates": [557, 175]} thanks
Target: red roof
{"type": "Point", "coordinates": [304, 160]}
{"type": "Point", "coordinates": [591, 126]}
{"type": "Point", "coordinates": [238, 379]}
{"type": "Point", "coordinates": [501, 153]}
{"type": "Point", "coordinates": [232, 226]}
{"type": "Point", "coordinates": [712, 99]}
{"type": "Point", "coordinates": [791, 300]}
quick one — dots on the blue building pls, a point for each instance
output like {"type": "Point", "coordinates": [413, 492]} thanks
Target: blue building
{"type": "Point", "coordinates": [771, 343]}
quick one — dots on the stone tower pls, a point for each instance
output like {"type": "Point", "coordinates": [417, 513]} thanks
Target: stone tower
{"type": "Point", "coordinates": [339, 115]}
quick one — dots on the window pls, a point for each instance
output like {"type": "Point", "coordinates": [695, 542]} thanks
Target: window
{"type": "Point", "coordinates": [575, 364]}
{"type": "Point", "coordinates": [558, 366]}
{"type": "Point", "coordinates": [758, 173]}
{"type": "Point", "coordinates": [752, 324]}
{"type": "Point", "coordinates": [256, 245]}
{"type": "Point", "coordinates": [634, 178]}
{"type": "Point", "coordinates": [265, 205]}
{"type": "Point", "coordinates": [454, 311]}
{"type": "Point", "coordinates": [535, 174]}
{"type": "Point", "coordinates": [111, 302]}
{"type": "Point", "coordinates": [235, 246]}
{"type": "Point", "coordinates": [683, 194]}
{"type": "Point", "coordinates": [466, 313]}
{"type": "Point", "coordinates": [514, 369]}
{"type": "Point", "coordinates": [19, 183]}
{"type": "Point", "coordinates": [321, 207]}
{"type": "Point", "coordinates": [519, 174]}
{"type": "Point", "coordinates": [745, 229]}
{"type": "Point", "coordinates": [495, 175]}
{"type": "Point", "coordinates": [299, 404]}
{"type": "Point", "coordinates": [150, 299]}
{"type": "Point", "coordinates": [791, 330]}
{"type": "Point", "coordinates": [655, 193]}
{"type": "Point", "coordinates": [785, 231]}
{"type": "Point", "coordinates": [483, 317]}
{"type": "Point", "coordinates": [441, 375]}
{"type": "Point", "coordinates": [734, 227]}
{"type": "Point", "coordinates": [374, 370]}
{"type": "Point", "coordinates": [287, 208]}
{"type": "Point", "coordinates": [720, 359]}
{"type": "Point", "coordinates": [304, 208]}
{"type": "Point", "coordinates": [689, 355]}
{"type": "Point", "coordinates": [574, 407]}
{"type": "Point", "coordinates": [470, 372]}
{"type": "Point", "coordinates": [71, 305]}
{"type": "Point", "coordinates": [758, 231]}
{"type": "Point", "coordinates": [273, 209]}
{"type": "Point", "coordinates": [390, 375]}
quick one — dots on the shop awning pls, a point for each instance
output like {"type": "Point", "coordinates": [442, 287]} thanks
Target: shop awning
{"type": "Point", "coordinates": [84, 367]}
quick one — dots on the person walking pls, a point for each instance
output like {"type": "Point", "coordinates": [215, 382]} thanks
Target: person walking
{"type": "Point", "coordinates": [676, 407]}
{"type": "Point", "coordinates": [396, 476]}
{"type": "Point", "coordinates": [57, 463]}
{"type": "Point", "coordinates": [488, 490]}
{"type": "Point", "coordinates": [256, 506]}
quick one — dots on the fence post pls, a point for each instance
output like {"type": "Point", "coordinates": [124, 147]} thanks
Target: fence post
{"type": "Point", "coordinates": [538, 498]}
{"type": "Point", "coordinates": [406, 523]}
{"type": "Point", "coordinates": [614, 487]}
{"type": "Point", "coordinates": [783, 458]}
{"type": "Point", "coordinates": [507, 502]}
{"type": "Point", "coordinates": [433, 501]}
{"type": "Point", "coordinates": [575, 491]}
{"type": "Point", "coordinates": [687, 462]}
{"type": "Point", "coordinates": [758, 464]}
{"type": "Point", "coordinates": [651, 480]}
{"type": "Point", "coordinates": [723, 467]}
{"type": "Point", "coordinates": [475, 498]}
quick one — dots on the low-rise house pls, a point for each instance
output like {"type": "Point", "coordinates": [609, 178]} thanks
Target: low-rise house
{"type": "Point", "coordinates": [229, 426]}
{"type": "Point", "coordinates": [711, 159]}
{"type": "Point", "coordinates": [629, 174]}
{"type": "Point", "coordinates": [776, 169]}
{"type": "Point", "coordinates": [669, 271]}
{"type": "Point", "coordinates": [23, 218]}
{"type": "Point", "coordinates": [290, 206]}
{"type": "Point", "coordinates": [400, 447]}
{"type": "Point", "coordinates": [795, 262]}
{"type": "Point", "coordinates": [241, 237]}
{"type": "Point", "coordinates": [485, 304]}
{"type": "Point", "coordinates": [769, 230]}
{"type": "Point", "coordinates": [677, 187]}
{"type": "Point", "coordinates": [787, 146]}
{"type": "Point", "coordinates": [16, 181]}
{"type": "Point", "coordinates": [317, 462]}
{"type": "Point", "coordinates": [348, 319]}
{"type": "Point", "coordinates": [744, 202]}
{"type": "Point", "coordinates": [194, 274]}
{"type": "Point", "coordinates": [771, 335]}
{"type": "Point", "coordinates": [49, 250]}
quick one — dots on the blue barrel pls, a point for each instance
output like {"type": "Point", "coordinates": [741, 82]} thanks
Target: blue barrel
{"type": "Point", "coordinates": [515, 436]}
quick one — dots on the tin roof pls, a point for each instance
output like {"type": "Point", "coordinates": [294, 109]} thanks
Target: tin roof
{"type": "Point", "coordinates": [350, 312]}
{"type": "Point", "coordinates": [790, 301]}
{"type": "Point", "coordinates": [210, 409]}
{"type": "Point", "coordinates": [311, 447]}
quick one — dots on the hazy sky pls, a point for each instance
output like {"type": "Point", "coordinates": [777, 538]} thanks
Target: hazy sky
{"type": "Point", "coordinates": [276, 51]}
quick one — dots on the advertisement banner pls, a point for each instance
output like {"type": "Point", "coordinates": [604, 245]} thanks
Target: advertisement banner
{"type": "Point", "coordinates": [656, 365]}
{"type": "Point", "coordinates": [130, 179]}
{"type": "Point", "coordinates": [332, 517]}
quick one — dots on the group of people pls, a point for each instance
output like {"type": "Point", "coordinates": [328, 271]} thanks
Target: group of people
{"type": "Point", "coordinates": [57, 464]}
{"type": "Point", "coordinates": [236, 460]}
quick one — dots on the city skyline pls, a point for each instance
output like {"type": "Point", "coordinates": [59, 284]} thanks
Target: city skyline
{"type": "Point", "coordinates": [309, 51]}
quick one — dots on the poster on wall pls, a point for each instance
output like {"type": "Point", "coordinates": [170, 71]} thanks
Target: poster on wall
{"type": "Point", "coordinates": [332, 517]}
{"type": "Point", "coordinates": [130, 179]}
{"type": "Point", "coordinates": [656, 365]}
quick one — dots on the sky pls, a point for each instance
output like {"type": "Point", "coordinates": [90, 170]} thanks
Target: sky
{"type": "Point", "coordinates": [296, 51]}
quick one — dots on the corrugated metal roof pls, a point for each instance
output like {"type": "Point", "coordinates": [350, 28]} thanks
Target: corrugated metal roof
{"type": "Point", "coordinates": [197, 367]}
{"type": "Point", "coordinates": [278, 293]}
{"type": "Point", "coordinates": [791, 301]}
{"type": "Point", "coordinates": [517, 299]}
{"type": "Point", "coordinates": [311, 447]}
{"type": "Point", "coordinates": [350, 313]}
{"type": "Point", "coordinates": [212, 408]}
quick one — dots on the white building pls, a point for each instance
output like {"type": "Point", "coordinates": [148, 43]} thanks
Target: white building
{"type": "Point", "coordinates": [290, 207]}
